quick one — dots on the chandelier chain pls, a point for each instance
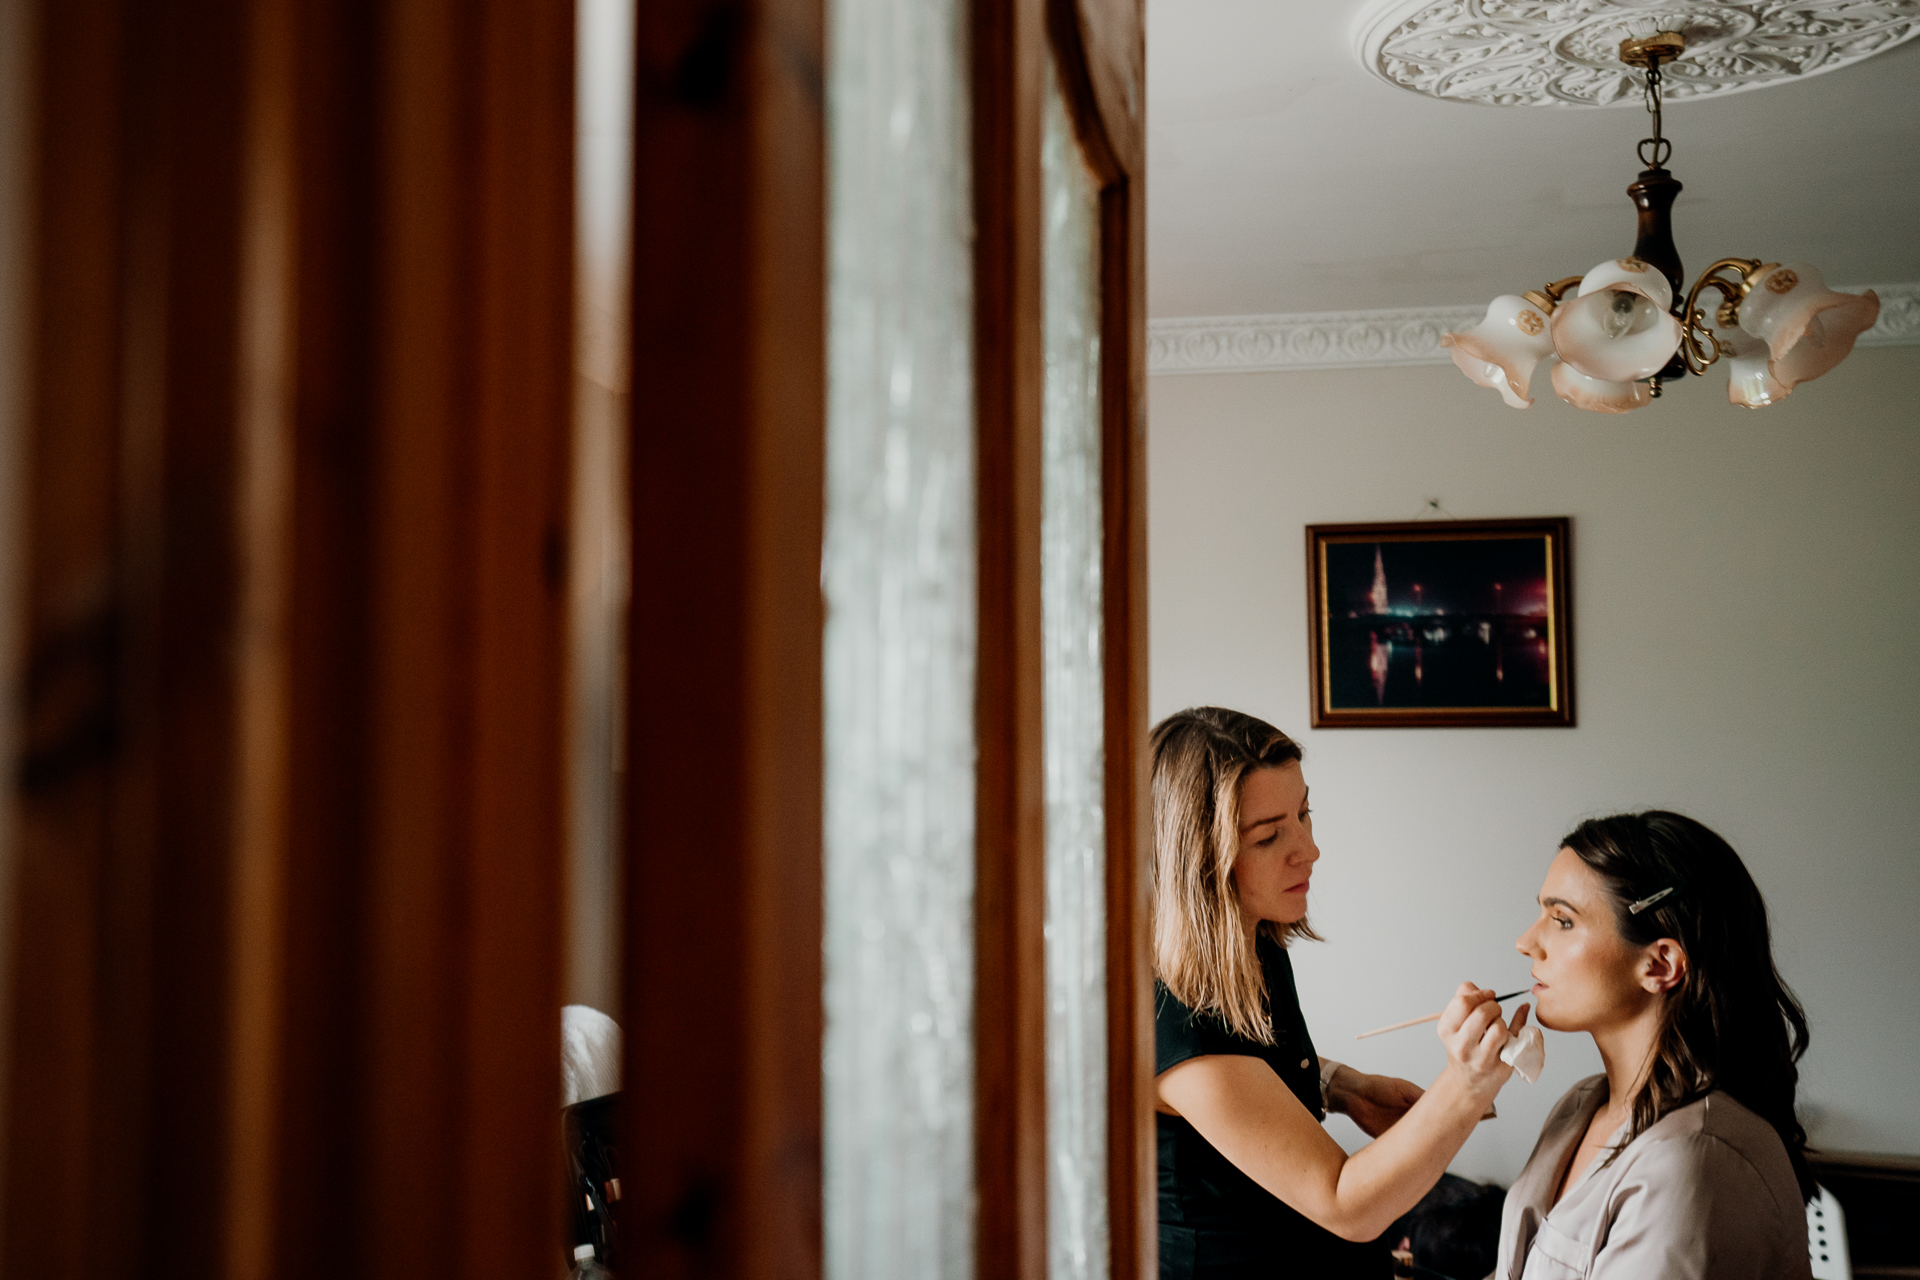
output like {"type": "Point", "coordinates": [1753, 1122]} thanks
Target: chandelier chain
{"type": "Point", "coordinates": [1654, 151]}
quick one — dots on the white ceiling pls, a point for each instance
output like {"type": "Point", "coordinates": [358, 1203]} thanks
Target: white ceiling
{"type": "Point", "coordinates": [1283, 177]}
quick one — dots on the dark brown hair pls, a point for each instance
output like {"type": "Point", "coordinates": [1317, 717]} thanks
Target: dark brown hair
{"type": "Point", "coordinates": [1201, 950]}
{"type": "Point", "coordinates": [1731, 1024]}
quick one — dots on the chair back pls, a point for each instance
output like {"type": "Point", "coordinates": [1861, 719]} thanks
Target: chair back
{"type": "Point", "coordinates": [1827, 1238]}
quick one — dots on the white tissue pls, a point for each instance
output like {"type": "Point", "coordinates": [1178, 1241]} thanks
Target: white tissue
{"type": "Point", "coordinates": [1526, 1052]}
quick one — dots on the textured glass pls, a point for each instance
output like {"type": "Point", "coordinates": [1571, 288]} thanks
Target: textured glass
{"type": "Point", "coordinates": [598, 571]}
{"type": "Point", "coordinates": [1074, 701]}
{"type": "Point", "coordinates": [900, 646]}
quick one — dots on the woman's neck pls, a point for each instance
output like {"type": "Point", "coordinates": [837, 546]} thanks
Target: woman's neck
{"type": "Point", "coordinates": [1626, 1050]}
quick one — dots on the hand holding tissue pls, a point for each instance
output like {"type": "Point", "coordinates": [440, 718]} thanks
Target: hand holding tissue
{"type": "Point", "coordinates": [1526, 1052]}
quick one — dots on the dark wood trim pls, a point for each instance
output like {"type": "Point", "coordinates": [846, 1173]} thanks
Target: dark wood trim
{"type": "Point", "coordinates": [1009, 43]}
{"type": "Point", "coordinates": [723, 967]}
{"type": "Point", "coordinates": [1558, 531]}
{"type": "Point", "coordinates": [429, 382]}
{"type": "Point", "coordinates": [1101, 46]}
{"type": "Point", "coordinates": [1097, 46]}
{"type": "Point", "coordinates": [71, 1058]}
{"type": "Point", "coordinates": [291, 801]}
{"type": "Point", "coordinates": [125, 779]}
{"type": "Point", "coordinates": [1131, 1177]}
{"type": "Point", "coordinates": [1879, 1196]}
{"type": "Point", "coordinates": [1903, 1168]}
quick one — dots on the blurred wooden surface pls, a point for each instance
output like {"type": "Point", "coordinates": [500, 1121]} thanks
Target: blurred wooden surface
{"type": "Point", "coordinates": [723, 1004]}
{"type": "Point", "coordinates": [1009, 51]}
{"type": "Point", "coordinates": [286, 963]}
{"type": "Point", "coordinates": [1100, 52]}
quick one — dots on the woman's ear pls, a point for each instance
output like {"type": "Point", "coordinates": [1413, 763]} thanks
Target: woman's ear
{"type": "Point", "coordinates": [1663, 966]}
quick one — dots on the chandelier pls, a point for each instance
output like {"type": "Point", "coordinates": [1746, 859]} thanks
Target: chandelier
{"type": "Point", "coordinates": [1615, 334]}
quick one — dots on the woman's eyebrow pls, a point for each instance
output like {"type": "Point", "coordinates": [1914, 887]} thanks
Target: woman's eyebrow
{"type": "Point", "coordinates": [1559, 902]}
{"type": "Point", "coordinates": [1261, 822]}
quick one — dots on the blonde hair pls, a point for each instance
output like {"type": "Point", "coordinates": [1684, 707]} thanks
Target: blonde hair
{"type": "Point", "coordinates": [1201, 948]}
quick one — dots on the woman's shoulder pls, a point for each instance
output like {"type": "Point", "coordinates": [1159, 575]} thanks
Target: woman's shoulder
{"type": "Point", "coordinates": [1720, 1149]}
{"type": "Point", "coordinates": [1181, 1032]}
{"type": "Point", "coordinates": [1718, 1118]}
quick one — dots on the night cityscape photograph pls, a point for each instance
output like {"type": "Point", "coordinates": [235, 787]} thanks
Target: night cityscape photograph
{"type": "Point", "coordinates": [1438, 623]}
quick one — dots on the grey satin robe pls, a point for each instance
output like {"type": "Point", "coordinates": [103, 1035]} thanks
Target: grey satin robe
{"type": "Point", "coordinates": [1706, 1193]}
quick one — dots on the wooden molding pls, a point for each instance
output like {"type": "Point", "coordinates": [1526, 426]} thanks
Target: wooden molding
{"type": "Point", "coordinates": [723, 825]}
{"type": "Point", "coordinates": [1009, 45]}
{"type": "Point", "coordinates": [1097, 47]}
{"type": "Point", "coordinates": [1132, 1178]}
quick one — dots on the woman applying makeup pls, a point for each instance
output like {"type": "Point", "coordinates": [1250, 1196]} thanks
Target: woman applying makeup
{"type": "Point", "coordinates": [1684, 1159]}
{"type": "Point", "coordinates": [1250, 1183]}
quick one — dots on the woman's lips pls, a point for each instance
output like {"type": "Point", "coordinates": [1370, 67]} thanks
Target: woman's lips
{"type": "Point", "coordinates": [1538, 987]}
{"type": "Point", "coordinates": [1299, 888]}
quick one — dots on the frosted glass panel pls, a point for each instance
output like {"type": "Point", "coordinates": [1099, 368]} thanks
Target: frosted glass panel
{"type": "Point", "coordinates": [900, 646]}
{"type": "Point", "coordinates": [1074, 703]}
{"type": "Point", "coordinates": [598, 571]}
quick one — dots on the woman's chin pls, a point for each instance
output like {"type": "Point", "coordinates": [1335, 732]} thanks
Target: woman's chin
{"type": "Point", "coordinates": [1551, 1021]}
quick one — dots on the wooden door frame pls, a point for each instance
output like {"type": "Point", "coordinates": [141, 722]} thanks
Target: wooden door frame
{"type": "Point", "coordinates": [1010, 46]}
{"type": "Point", "coordinates": [1102, 54]}
{"type": "Point", "coordinates": [1098, 51]}
{"type": "Point", "coordinates": [288, 888]}
{"type": "Point", "coordinates": [723, 972]}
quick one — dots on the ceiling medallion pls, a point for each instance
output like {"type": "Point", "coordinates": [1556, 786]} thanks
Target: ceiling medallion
{"type": "Point", "coordinates": [1566, 53]}
{"type": "Point", "coordinates": [1612, 336]}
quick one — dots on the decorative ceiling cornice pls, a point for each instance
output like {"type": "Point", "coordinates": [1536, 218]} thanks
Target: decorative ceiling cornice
{"type": "Point", "coordinates": [1566, 53]}
{"type": "Point", "coordinates": [1371, 339]}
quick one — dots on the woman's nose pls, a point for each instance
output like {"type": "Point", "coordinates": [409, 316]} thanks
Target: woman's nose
{"type": "Point", "coordinates": [1524, 943]}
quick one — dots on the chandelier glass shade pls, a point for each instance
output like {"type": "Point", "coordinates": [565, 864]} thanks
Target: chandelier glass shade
{"type": "Point", "coordinates": [1613, 335]}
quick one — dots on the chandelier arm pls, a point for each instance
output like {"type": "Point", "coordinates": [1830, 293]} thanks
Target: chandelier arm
{"type": "Point", "coordinates": [1549, 296]}
{"type": "Point", "coordinates": [1700, 346]}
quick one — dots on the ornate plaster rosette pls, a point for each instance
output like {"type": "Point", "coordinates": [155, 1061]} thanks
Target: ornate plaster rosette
{"type": "Point", "coordinates": [1566, 53]}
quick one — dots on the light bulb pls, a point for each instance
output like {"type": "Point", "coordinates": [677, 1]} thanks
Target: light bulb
{"type": "Point", "coordinates": [1629, 313]}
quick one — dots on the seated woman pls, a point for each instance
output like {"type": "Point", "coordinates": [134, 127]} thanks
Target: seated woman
{"type": "Point", "coordinates": [1684, 1159]}
{"type": "Point", "coordinates": [1250, 1183]}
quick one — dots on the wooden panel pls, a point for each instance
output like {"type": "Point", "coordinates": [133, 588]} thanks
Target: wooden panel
{"type": "Point", "coordinates": [127, 775]}
{"type": "Point", "coordinates": [69, 637]}
{"type": "Point", "coordinates": [1132, 1179]}
{"type": "Point", "coordinates": [431, 381]}
{"type": "Point", "coordinates": [1880, 1198]}
{"type": "Point", "coordinates": [331, 99]}
{"type": "Point", "coordinates": [1102, 44]}
{"type": "Point", "coordinates": [1009, 43]}
{"type": "Point", "coordinates": [291, 847]}
{"type": "Point", "coordinates": [1099, 46]}
{"type": "Point", "coordinates": [723, 829]}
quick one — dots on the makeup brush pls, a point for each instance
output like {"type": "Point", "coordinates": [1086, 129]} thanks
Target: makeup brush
{"type": "Point", "coordinates": [1432, 1017]}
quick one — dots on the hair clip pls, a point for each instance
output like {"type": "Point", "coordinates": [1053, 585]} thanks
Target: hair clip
{"type": "Point", "coordinates": [1635, 908]}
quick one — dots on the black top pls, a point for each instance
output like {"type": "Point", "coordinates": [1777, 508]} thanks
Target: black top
{"type": "Point", "coordinates": [1216, 1223]}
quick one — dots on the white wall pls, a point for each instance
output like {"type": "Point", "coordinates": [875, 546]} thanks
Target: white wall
{"type": "Point", "coordinates": [1747, 621]}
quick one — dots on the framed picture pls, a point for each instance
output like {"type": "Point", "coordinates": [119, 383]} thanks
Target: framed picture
{"type": "Point", "coordinates": [1440, 622]}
